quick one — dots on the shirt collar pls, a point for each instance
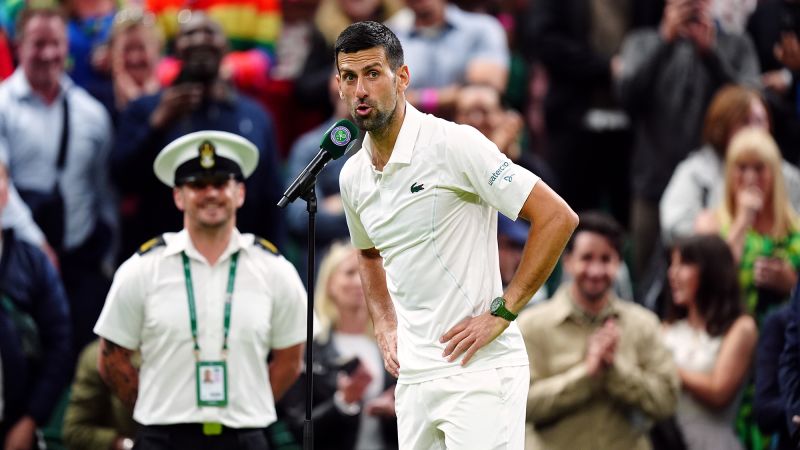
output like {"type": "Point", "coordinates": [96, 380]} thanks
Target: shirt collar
{"type": "Point", "coordinates": [404, 145]}
{"type": "Point", "coordinates": [180, 242]}
{"type": "Point", "coordinates": [567, 309]}
{"type": "Point", "coordinates": [21, 89]}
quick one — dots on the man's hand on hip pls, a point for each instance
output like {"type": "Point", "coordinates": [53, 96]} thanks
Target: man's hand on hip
{"type": "Point", "coordinates": [387, 341]}
{"type": "Point", "coordinates": [470, 335]}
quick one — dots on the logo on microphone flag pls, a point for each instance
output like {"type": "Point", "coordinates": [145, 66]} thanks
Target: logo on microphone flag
{"type": "Point", "coordinates": [340, 136]}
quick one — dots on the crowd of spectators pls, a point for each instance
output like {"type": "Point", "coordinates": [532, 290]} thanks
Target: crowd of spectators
{"type": "Point", "coordinates": [671, 126]}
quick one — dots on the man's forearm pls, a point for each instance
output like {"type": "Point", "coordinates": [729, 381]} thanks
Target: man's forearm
{"type": "Point", "coordinates": [373, 278]}
{"type": "Point", "coordinates": [552, 223]}
{"type": "Point", "coordinates": [284, 369]}
{"type": "Point", "coordinates": [118, 372]}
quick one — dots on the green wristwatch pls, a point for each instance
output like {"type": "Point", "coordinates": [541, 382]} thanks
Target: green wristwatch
{"type": "Point", "coordinates": [498, 308]}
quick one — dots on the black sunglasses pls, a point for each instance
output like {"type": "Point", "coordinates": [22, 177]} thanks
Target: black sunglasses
{"type": "Point", "coordinates": [217, 181]}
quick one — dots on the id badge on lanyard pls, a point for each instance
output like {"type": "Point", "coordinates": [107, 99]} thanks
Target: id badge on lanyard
{"type": "Point", "coordinates": [211, 377]}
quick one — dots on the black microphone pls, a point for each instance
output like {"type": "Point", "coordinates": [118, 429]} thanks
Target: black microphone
{"type": "Point", "coordinates": [337, 140]}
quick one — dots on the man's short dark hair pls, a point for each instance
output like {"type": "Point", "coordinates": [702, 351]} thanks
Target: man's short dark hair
{"type": "Point", "coordinates": [365, 35]}
{"type": "Point", "coordinates": [29, 12]}
{"type": "Point", "coordinates": [599, 223]}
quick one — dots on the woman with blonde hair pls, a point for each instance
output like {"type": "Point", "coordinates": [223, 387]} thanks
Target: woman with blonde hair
{"type": "Point", "coordinates": [353, 394]}
{"type": "Point", "coordinates": [697, 182]}
{"type": "Point", "coordinates": [757, 221]}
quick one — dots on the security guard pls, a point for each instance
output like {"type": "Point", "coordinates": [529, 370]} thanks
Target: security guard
{"type": "Point", "coordinates": [205, 306]}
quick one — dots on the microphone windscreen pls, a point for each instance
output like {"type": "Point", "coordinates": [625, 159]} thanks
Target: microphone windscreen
{"type": "Point", "coordinates": [339, 137]}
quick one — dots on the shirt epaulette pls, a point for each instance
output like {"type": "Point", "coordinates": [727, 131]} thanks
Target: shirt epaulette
{"type": "Point", "coordinates": [266, 245]}
{"type": "Point", "coordinates": [151, 244]}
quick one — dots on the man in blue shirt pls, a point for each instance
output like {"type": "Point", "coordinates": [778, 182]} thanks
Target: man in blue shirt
{"type": "Point", "coordinates": [446, 48]}
{"type": "Point", "coordinates": [61, 139]}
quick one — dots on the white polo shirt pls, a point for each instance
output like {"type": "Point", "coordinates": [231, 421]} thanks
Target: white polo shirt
{"type": "Point", "coordinates": [147, 309]}
{"type": "Point", "coordinates": [432, 214]}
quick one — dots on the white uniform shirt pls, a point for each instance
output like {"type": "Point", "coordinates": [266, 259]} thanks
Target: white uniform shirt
{"type": "Point", "coordinates": [432, 214]}
{"type": "Point", "coordinates": [147, 309]}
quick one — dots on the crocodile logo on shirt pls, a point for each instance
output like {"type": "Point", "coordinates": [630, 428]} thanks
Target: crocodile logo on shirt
{"type": "Point", "coordinates": [416, 188]}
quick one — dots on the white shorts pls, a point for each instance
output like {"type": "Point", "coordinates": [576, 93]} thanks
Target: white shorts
{"type": "Point", "coordinates": [482, 410]}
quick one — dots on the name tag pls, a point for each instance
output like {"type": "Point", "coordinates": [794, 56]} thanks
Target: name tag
{"type": "Point", "coordinates": [212, 383]}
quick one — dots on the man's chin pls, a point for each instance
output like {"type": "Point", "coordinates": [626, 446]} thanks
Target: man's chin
{"type": "Point", "coordinates": [595, 295]}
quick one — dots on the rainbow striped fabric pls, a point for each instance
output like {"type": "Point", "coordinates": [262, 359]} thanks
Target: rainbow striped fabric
{"type": "Point", "coordinates": [247, 23]}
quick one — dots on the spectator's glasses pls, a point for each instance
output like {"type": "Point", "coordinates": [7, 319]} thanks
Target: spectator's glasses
{"type": "Point", "coordinates": [200, 182]}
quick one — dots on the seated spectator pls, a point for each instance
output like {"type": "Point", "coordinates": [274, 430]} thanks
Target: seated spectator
{"type": "Point", "coordinates": [769, 408]}
{"type": "Point", "coordinates": [756, 219]}
{"type": "Point", "coordinates": [95, 418]}
{"type": "Point", "coordinates": [35, 336]}
{"type": "Point", "coordinates": [697, 182]}
{"type": "Point", "coordinates": [711, 338]}
{"type": "Point", "coordinates": [353, 394]}
{"type": "Point", "coordinates": [446, 48]}
{"type": "Point", "coordinates": [599, 371]}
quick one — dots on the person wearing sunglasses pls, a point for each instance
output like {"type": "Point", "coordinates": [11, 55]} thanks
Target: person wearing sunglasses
{"type": "Point", "coordinates": [206, 303]}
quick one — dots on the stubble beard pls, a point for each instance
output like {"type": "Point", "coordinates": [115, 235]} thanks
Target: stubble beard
{"type": "Point", "coordinates": [378, 121]}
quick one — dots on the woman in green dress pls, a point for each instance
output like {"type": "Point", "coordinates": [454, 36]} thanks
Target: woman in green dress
{"type": "Point", "coordinates": [763, 232]}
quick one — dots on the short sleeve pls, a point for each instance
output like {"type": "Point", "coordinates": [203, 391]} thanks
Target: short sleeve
{"type": "Point", "coordinates": [123, 313]}
{"type": "Point", "coordinates": [358, 235]}
{"type": "Point", "coordinates": [289, 309]}
{"type": "Point", "coordinates": [486, 171]}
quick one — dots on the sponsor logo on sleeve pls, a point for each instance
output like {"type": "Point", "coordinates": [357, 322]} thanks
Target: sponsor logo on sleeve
{"type": "Point", "coordinates": [497, 173]}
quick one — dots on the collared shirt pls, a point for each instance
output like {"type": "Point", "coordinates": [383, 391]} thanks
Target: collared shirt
{"type": "Point", "coordinates": [438, 58]}
{"type": "Point", "coordinates": [567, 408]}
{"type": "Point", "coordinates": [432, 214]}
{"type": "Point", "coordinates": [34, 128]}
{"type": "Point", "coordinates": [147, 309]}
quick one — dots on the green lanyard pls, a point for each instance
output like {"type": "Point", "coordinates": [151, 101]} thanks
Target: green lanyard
{"type": "Point", "coordinates": [187, 272]}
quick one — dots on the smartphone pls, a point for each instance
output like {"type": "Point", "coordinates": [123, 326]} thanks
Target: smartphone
{"type": "Point", "coordinates": [184, 76]}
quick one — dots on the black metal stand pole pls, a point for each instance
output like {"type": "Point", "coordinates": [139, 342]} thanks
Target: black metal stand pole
{"type": "Point", "coordinates": [308, 426]}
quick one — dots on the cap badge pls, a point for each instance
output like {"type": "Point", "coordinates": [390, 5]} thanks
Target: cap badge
{"type": "Point", "coordinates": [207, 155]}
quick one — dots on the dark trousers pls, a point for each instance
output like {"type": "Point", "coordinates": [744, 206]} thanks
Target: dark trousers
{"type": "Point", "coordinates": [190, 437]}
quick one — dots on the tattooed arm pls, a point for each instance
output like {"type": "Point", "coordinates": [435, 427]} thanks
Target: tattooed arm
{"type": "Point", "coordinates": [116, 369]}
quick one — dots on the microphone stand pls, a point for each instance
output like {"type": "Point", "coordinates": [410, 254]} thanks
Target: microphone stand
{"type": "Point", "coordinates": [310, 196]}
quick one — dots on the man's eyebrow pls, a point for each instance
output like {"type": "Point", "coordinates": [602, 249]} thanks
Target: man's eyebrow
{"type": "Point", "coordinates": [363, 69]}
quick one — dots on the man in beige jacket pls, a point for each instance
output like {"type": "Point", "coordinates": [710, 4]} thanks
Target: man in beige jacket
{"type": "Point", "coordinates": [600, 375]}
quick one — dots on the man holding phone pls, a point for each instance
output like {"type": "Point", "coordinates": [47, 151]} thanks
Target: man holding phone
{"type": "Point", "coordinates": [199, 99]}
{"type": "Point", "coordinates": [668, 77]}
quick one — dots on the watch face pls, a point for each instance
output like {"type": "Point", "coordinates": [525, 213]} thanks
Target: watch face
{"type": "Point", "coordinates": [496, 304]}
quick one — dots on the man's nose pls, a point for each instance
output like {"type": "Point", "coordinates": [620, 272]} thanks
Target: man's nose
{"type": "Point", "coordinates": [50, 52]}
{"type": "Point", "coordinates": [361, 89]}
